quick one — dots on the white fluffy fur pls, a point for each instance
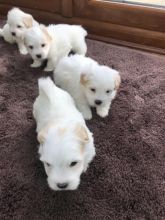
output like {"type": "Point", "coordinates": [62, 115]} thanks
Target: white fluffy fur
{"type": "Point", "coordinates": [54, 42]}
{"type": "Point", "coordinates": [63, 136]}
{"type": "Point", "coordinates": [17, 23]}
{"type": "Point", "coordinates": [87, 82]}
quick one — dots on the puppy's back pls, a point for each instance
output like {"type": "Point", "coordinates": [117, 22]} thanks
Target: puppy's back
{"type": "Point", "coordinates": [69, 69]}
{"type": "Point", "coordinates": [52, 103]}
{"type": "Point", "coordinates": [66, 28]}
{"type": "Point", "coordinates": [49, 94]}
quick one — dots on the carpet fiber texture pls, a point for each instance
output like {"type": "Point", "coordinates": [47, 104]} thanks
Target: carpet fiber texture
{"type": "Point", "coordinates": [126, 180]}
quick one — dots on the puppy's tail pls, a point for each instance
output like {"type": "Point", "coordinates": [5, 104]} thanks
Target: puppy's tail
{"type": "Point", "coordinates": [47, 88]}
{"type": "Point", "coordinates": [83, 31]}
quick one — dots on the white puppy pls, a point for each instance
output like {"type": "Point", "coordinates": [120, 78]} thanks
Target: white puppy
{"type": "Point", "coordinates": [17, 23]}
{"type": "Point", "coordinates": [66, 144]}
{"type": "Point", "coordinates": [90, 84]}
{"type": "Point", "coordinates": [54, 42]}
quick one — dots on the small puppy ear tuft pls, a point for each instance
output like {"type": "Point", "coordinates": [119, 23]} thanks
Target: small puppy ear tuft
{"type": "Point", "coordinates": [43, 132]}
{"type": "Point", "coordinates": [41, 136]}
{"type": "Point", "coordinates": [81, 133]}
{"type": "Point", "coordinates": [84, 79]}
{"type": "Point", "coordinates": [28, 21]}
{"type": "Point", "coordinates": [117, 81]}
{"type": "Point", "coordinates": [45, 31]}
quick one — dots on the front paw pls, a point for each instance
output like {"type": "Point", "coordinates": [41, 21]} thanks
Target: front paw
{"type": "Point", "coordinates": [23, 51]}
{"type": "Point", "coordinates": [35, 65]}
{"type": "Point", "coordinates": [87, 115]}
{"type": "Point", "coordinates": [48, 69]}
{"type": "Point", "coordinates": [102, 112]}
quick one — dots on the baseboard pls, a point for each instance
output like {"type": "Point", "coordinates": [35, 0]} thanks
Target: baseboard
{"type": "Point", "coordinates": [122, 35]}
{"type": "Point", "coordinates": [127, 44]}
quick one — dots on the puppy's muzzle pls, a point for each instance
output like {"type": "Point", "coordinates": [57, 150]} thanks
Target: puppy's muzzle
{"type": "Point", "coordinates": [62, 185]}
{"type": "Point", "coordinates": [98, 102]}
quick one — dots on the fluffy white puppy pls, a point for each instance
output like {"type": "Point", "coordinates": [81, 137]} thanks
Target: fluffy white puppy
{"type": "Point", "coordinates": [54, 42]}
{"type": "Point", "coordinates": [17, 23]}
{"type": "Point", "coordinates": [90, 84]}
{"type": "Point", "coordinates": [66, 144]}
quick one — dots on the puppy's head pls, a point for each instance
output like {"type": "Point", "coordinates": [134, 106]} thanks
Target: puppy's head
{"type": "Point", "coordinates": [18, 22]}
{"type": "Point", "coordinates": [99, 84]}
{"type": "Point", "coordinates": [62, 151]}
{"type": "Point", "coordinates": [38, 42]}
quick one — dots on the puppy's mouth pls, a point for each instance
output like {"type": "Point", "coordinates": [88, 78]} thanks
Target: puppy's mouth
{"type": "Point", "coordinates": [69, 187]}
{"type": "Point", "coordinates": [59, 189]}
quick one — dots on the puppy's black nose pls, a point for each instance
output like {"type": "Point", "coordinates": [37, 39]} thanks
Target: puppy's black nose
{"type": "Point", "coordinates": [71, 53]}
{"type": "Point", "coordinates": [13, 33]}
{"type": "Point", "coordinates": [38, 56]}
{"type": "Point", "coordinates": [62, 185]}
{"type": "Point", "coordinates": [98, 102]}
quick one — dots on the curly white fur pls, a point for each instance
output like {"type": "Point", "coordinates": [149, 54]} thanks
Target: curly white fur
{"type": "Point", "coordinates": [17, 23]}
{"type": "Point", "coordinates": [54, 42]}
{"type": "Point", "coordinates": [66, 144]}
{"type": "Point", "coordinates": [90, 84]}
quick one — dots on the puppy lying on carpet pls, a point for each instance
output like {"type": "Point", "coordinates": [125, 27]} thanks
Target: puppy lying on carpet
{"type": "Point", "coordinates": [90, 84]}
{"type": "Point", "coordinates": [54, 42]}
{"type": "Point", "coordinates": [66, 144]}
{"type": "Point", "coordinates": [17, 23]}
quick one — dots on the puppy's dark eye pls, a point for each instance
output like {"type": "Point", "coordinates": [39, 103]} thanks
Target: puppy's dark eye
{"type": "Point", "coordinates": [19, 26]}
{"type": "Point", "coordinates": [48, 164]}
{"type": "Point", "coordinates": [43, 45]}
{"type": "Point", "coordinates": [31, 47]}
{"type": "Point", "coordinates": [73, 163]}
{"type": "Point", "coordinates": [108, 91]}
{"type": "Point", "coordinates": [93, 90]}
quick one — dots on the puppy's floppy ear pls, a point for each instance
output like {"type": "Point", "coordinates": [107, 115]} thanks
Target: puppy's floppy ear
{"type": "Point", "coordinates": [41, 136]}
{"type": "Point", "coordinates": [44, 29]}
{"type": "Point", "coordinates": [84, 79]}
{"type": "Point", "coordinates": [117, 81]}
{"type": "Point", "coordinates": [43, 132]}
{"type": "Point", "coordinates": [28, 21]}
{"type": "Point", "coordinates": [81, 133]}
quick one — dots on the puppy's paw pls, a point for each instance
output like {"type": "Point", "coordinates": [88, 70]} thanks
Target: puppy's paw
{"type": "Point", "coordinates": [48, 69]}
{"type": "Point", "coordinates": [35, 65]}
{"type": "Point", "coordinates": [23, 51]}
{"type": "Point", "coordinates": [10, 41]}
{"type": "Point", "coordinates": [87, 115]}
{"type": "Point", "coordinates": [102, 112]}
